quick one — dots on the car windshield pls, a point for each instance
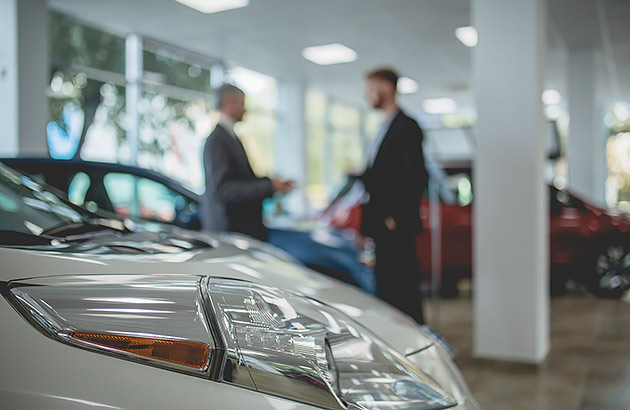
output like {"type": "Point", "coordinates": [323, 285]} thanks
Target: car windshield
{"type": "Point", "coordinates": [26, 207]}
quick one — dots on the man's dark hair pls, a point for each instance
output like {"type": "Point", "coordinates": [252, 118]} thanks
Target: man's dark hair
{"type": "Point", "coordinates": [224, 91]}
{"type": "Point", "coordinates": [383, 73]}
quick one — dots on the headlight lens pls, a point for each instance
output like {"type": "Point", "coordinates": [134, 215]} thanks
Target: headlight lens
{"type": "Point", "coordinates": [235, 332]}
{"type": "Point", "coordinates": [155, 319]}
{"type": "Point", "coordinates": [302, 349]}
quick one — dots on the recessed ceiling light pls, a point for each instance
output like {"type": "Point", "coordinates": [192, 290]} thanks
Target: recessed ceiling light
{"type": "Point", "coordinates": [467, 35]}
{"type": "Point", "coordinates": [407, 85]}
{"type": "Point", "coordinates": [214, 6]}
{"type": "Point", "coordinates": [329, 54]}
{"type": "Point", "coordinates": [252, 82]}
{"type": "Point", "coordinates": [439, 106]}
{"type": "Point", "coordinates": [551, 97]}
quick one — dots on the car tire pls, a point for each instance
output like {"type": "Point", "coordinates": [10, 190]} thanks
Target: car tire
{"type": "Point", "coordinates": [602, 281]}
{"type": "Point", "coordinates": [448, 287]}
{"type": "Point", "coordinates": [558, 282]}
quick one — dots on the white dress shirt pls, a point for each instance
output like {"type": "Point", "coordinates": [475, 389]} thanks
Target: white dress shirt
{"type": "Point", "coordinates": [376, 144]}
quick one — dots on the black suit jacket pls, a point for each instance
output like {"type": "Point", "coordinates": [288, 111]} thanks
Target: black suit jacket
{"type": "Point", "coordinates": [234, 194]}
{"type": "Point", "coordinates": [396, 180]}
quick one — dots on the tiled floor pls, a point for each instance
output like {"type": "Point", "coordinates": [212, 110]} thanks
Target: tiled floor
{"type": "Point", "coordinates": [588, 367]}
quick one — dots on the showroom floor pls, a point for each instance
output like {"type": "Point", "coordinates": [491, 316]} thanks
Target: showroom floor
{"type": "Point", "coordinates": [588, 367]}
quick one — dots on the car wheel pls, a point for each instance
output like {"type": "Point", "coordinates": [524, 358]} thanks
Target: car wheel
{"type": "Point", "coordinates": [611, 276]}
{"type": "Point", "coordinates": [448, 288]}
{"type": "Point", "coordinates": [558, 281]}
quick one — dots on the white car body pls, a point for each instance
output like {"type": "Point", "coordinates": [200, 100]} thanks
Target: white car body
{"type": "Point", "coordinates": [39, 372]}
{"type": "Point", "coordinates": [296, 340]}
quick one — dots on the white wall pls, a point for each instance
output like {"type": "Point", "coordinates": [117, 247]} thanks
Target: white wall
{"type": "Point", "coordinates": [24, 72]}
{"type": "Point", "coordinates": [9, 145]}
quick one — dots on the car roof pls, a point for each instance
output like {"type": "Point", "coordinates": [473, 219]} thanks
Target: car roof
{"type": "Point", "coordinates": [108, 167]}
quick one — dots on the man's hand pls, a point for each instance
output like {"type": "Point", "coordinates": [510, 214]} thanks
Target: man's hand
{"type": "Point", "coordinates": [390, 223]}
{"type": "Point", "coordinates": [367, 252]}
{"type": "Point", "coordinates": [281, 185]}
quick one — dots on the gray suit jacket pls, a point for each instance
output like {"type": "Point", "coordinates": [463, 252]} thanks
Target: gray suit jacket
{"type": "Point", "coordinates": [234, 194]}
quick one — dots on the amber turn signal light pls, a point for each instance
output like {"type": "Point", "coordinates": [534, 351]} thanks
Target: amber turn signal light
{"type": "Point", "coordinates": [195, 355]}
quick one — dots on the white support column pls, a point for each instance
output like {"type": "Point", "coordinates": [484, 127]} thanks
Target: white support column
{"type": "Point", "coordinates": [511, 213]}
{"type": "Point", "coordinates": [587, 144]}
{"type": "Point", "coordinates": [133, 74]}
{"type": "Point", "coordinates": [24, 76]}
{"type": "Point", "coordinates": [290, 142]}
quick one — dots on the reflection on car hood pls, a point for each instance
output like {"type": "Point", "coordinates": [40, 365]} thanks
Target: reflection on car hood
{"type": "Point", "coordinates": [228, 256]}
{"type": "Point", "coordinates": [169, 240]}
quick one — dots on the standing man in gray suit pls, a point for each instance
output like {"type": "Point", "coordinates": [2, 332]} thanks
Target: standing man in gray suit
{"type": "Point", "coordinates": [234, 194]}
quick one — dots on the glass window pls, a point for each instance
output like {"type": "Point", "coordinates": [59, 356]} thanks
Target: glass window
{"type": "Point", "coordinates": [78, 187]}
{"type": "Point", "coordinates": [258, 128]}
{"type": "Point", "coordinates": [257, 134]}
{"type": "Point", "coordinates": [88, 107]}
{"type": "Point", "coordinates": [464, 191]}
{"type": "Point", "coordinates": [121, 190]}
{"type": "Point", "coordinates": [157, 202]}
{"type": "Point", "coordinates": [449, 144]}
{"type": "Point", "coordinates": [164, 66]}
{"type": "Point", "coordinates": [176, 113]}
{"type": "Point", "coordinates": [172, 134]}
{"type": "Point", "coordinates": [372, 123]}
{"type": "Point", "coordinates": [86, 92]}
{"type": "Point", "coordinates": [336, 143]}
{"type": "Point", "coordinates": [75, 102]}
{"type": "Point", "coordinates": [84, 46]}
{"type": "Point", "coordinates": [317, 191]}
{"type": "Point", "coordinates": [460, 184]}
{"type": "Point", "coordinates": [106, 137]}
{"type": "Point", "coordinates": [618, 181]}
{"type": "Point", "coordinates": [143, 198]}
{"type": "Point", "coordinates": [316, 106]}
{"type": "Point", "coordinates": [346, 142]}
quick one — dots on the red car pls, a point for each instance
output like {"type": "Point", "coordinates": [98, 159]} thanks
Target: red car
{"type": "Point", "coordinates": [588, 244]}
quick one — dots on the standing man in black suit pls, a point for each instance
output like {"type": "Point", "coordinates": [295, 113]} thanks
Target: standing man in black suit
{"type": "Point", "coordinates": [395, 179]}
{"type": "Point", "coordinates": [234, 194]}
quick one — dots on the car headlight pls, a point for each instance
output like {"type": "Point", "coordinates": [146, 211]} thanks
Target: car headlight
{"type": "Point", "coordinates": [234, 332]}
{"type": "Point", "coordinates": [154, 319]}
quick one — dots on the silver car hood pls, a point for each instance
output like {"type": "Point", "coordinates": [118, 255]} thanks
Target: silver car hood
{"type": "Point", "coordinates": [227, 256]}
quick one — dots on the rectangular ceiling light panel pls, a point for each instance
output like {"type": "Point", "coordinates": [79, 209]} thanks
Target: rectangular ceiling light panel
{"type": "Point", "coordinates": [214, 6]}
{"type": "Point", "coordinates": [407, 85]}
{"type": "Point", "coordinates": [467, 35]}
{"type": "Point", "coordinates": [439, 106]}
{"type": "Point", "coordinates": [329, 54]}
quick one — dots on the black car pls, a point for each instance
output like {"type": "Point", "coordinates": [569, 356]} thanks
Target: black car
{"type": "Point", "coordinates": [146, 195]}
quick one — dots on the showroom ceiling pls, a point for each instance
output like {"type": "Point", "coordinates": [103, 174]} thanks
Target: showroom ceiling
{"type": "Point", "coordinates": [417, 37]}
{"type": "Point", "coordinates": [603, 25]}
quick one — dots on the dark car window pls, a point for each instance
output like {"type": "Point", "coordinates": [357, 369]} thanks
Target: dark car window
{"type": "Point", "coordinates": [26, 207]}
{"type": "Point", "coordinates": [459, 181]}
{"type": "Point", "coordinates": [142, 198]}
{"type": "Point", "coordinates": [561, 198]}
{"type": "Point", "coordinates": [460, 185]}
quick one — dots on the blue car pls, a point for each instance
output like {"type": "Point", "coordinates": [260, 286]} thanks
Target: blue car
{"type": "Point", "coordinates": [146, 195]}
